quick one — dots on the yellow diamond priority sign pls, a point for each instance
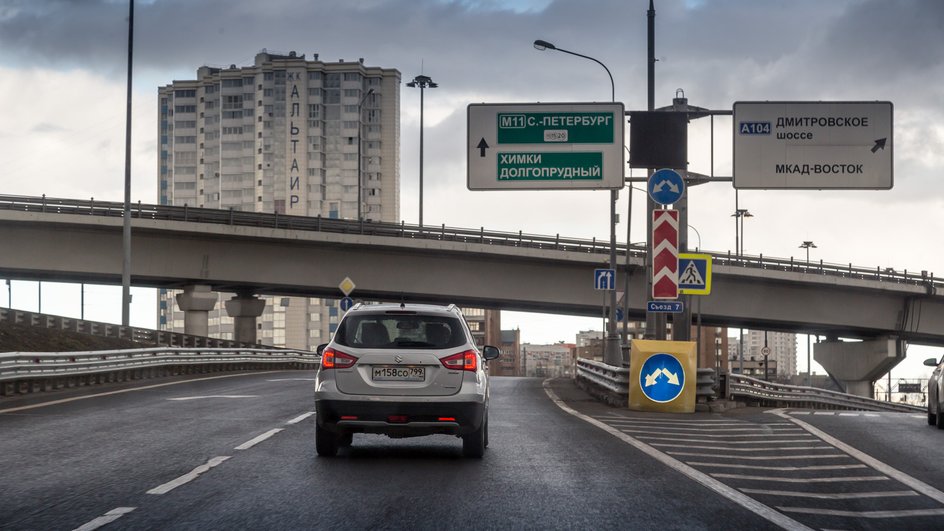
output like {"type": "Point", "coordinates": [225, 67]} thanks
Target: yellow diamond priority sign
{"type": "Point", "coordinates": [347, 286]}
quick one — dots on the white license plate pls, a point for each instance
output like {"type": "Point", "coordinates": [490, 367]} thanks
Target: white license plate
{"type": "Point", "coordinates": [398, 374]}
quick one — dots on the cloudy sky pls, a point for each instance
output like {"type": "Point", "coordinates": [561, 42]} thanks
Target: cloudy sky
{"type": "Point", "coordinates": [62, 88]}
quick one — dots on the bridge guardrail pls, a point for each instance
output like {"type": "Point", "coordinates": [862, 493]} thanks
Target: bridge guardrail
{"type": "Point", "coordinates": [782, 395]}
{"type": "Point", "coordinates": [22, 372]}
{"type": "Point", "coordinates": [442, 232]}
{"type": "Point", "coordinates": [131, 333]}
{"type": "Point", "coordinates": [611, 384]}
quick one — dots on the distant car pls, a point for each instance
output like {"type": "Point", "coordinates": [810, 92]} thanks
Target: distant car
{"type": "Point", "coordinates": [936, 392]}
{"type": "Point", "coordinates": [402, 370]}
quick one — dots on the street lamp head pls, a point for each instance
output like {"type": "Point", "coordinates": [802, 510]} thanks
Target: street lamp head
{"type": "Point", "coordinates": [807, 245]}
{"type": "Point", "coordinates": [543, 45]}
{"type": "Point", "coordinates": [422, 82]}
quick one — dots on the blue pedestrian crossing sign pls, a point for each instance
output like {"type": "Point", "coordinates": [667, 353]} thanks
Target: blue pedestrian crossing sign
{"type": "Point", "coordinates": [694, 274]}
{"type": "Point", "coordinates": [666, 187]}
{"type": "Point", "coordinates": [604, 279]}
{"type": "Point", "coordinates": [662, 378]}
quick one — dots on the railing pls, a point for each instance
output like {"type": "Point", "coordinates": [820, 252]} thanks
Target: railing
{"type": "Point", "coordinates": [23, 372]}
{"type": "Point", "coordinates": [130, 333]}
{"type": "Point", "coordinates": [781, 395]}
{"type": "Point", "coordinates": [443, 233]}
{"type": "Point", "coordinates": [611, 384]}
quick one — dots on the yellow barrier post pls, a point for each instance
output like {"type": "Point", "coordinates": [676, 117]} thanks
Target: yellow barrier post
{"type": "Point", "coordinates": [662, 376]}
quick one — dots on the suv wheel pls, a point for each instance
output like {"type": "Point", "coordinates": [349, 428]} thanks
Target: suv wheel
{"type": "Point", "coordinates": [326, 443]}
{"type": "Point", "coordinates": [473, 444]}
{"type": "Point", "coordinates": [932, 418]}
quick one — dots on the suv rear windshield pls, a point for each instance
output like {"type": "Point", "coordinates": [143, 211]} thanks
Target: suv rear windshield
{"type": "Point", "coordinates": [400, 330]}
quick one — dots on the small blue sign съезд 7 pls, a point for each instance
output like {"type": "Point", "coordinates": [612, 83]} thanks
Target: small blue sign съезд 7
{"type": "Point", "coordinates": [665, 306]}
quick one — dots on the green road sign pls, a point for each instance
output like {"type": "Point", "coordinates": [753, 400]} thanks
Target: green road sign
{"type": "Point", "coordinates": [550, 166]}
{"type": "Point", "coordinates": [546, 146]}
{"type": "Point", "coordinates": [562, 127]}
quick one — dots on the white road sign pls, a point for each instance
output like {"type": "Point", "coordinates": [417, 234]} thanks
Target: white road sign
{"type": "Point", "coordinates": [813, 145]}
{"type": "Point", "coordinates": [538, 146]}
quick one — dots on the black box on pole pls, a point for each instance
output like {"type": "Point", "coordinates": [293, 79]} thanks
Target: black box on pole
{"type": "Point", "coordinates": [658, 139]}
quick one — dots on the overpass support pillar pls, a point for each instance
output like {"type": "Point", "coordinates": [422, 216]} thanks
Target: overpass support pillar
{"type": "Point", "coordinates": [857, 365]}
{"type": "Point", "coordinates": [196, 302]}
{"type": "Point", "coordinates": [244, 308]}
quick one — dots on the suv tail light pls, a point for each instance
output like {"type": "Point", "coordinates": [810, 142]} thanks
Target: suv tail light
{"type": "Point", "coordinates": [335, 359]}
{"type": "Point", "coordinates": [463, 361]}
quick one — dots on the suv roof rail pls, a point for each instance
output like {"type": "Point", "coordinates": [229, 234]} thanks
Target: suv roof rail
{"type": "Point", "coordinates": [452, 307]}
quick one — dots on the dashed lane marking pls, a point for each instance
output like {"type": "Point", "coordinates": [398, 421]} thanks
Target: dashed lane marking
{"type": "Point", "coordinates": [185, 398]}
{"type": "Point", "coordinates": [252, 442]}
{"type": "Point", "coordinates": [188, 477]}
{"type": "Point", "coordinates": [301, 417]}
{"type": "Point", "coordinates": [723, 449]}
{"type": "Point", "coordinates": [105, 519]}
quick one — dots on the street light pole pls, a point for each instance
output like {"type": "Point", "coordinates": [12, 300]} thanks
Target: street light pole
{"type": "Point", "coordinates": [611, 350]}
{"type": "Point", "coordinates": [423, 82]}
{"type": "Point", "coordinates": [360, 179]}
{"type": "Point", "coordinates": [126, 216]}
{"type": "Point", "coordinates": [806, 245]}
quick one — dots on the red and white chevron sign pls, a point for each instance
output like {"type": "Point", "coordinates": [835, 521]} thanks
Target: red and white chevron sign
{"type": "Point", "coordinates": [665, 230]}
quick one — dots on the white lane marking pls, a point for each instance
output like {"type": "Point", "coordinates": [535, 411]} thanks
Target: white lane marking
{"type": "Point", "coordinates": [804, 480]}
{"type": "Point", "coordinates": [912, 416]}
{"type": "Point", "coordinates": [188, 477]}
{"type": "Point", "coordinates": [105, 519]}
{"type": "Point", "coordinates": [865, 514]}
{"type": "Point", "coordinates": [677, 418]}
{"type": "Point", "coordinates": [301, 417]}
{"type": "Point", "coordinates": [720, 449]}
{"type": "Point", "coordinates": [781, 468]}
{"type": "Point", "coordinates": [879, 466]}
{"type": "Point", "coordinates": [762, 458]}
{"type": "Point", "coordinates": [806, 439]}
{"type": "Point", "coordinates": [727, 437]}
{"type": "Point", "coordinates": [849, 414]}
{"type": "Point", "coordinates": [120, 391]}
{"type": "Point", "coordinates": [800, 412]}
{"type": "Point", "coordinates": [737, 497]}
{"type": "Point", "coordinates": [824, 412]}
{"type": "Point", "coordinates": [182, 398]}
{"type": "Point", "coordinates": [252, 442]}
{"type": "Point", "coordinates": [719, 430]}
{"type": "Point", "coordinates": [833, 495]}
{"type": "Point", "coordinates": [679, 424]}
{"type": "Point", "coordinates": [291, 380]}
{"type": "Point", "coordinates": [877, 415]}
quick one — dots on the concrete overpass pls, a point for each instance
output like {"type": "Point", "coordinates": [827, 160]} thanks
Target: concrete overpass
{"type": "Point", "coordinates": [267, 254]}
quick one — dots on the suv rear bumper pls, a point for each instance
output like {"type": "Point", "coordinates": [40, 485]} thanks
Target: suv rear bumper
{"type": "Point", "coordinates": [427, 418]}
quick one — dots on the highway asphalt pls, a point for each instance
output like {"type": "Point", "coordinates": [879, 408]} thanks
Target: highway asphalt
{"type": "Point", "coordinates": [237, 452]}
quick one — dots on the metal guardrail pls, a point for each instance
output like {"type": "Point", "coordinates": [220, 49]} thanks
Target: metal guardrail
{"type": "Point", "coordinates": [614, 381]}
{"type": "Point", "coordinates": [130, 333]}
{"type": "Point", "coordinates": [443, 233]}
{"type": "Point", "coordinates": [782, 395]}
{"type": "Point", "coordinates": [22, 372]}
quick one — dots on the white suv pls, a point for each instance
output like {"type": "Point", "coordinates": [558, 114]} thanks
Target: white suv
{"type": "Point", "coordinates": [403, 371]}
